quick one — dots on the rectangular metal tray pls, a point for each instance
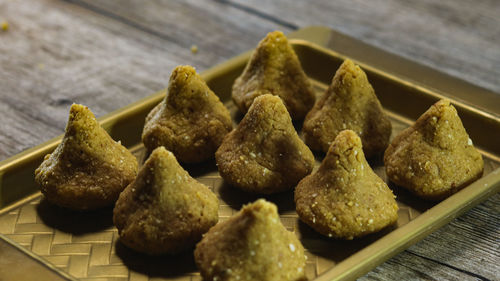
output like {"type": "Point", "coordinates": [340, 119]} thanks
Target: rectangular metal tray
{"type": "Point", "coordinates": [84, 245]}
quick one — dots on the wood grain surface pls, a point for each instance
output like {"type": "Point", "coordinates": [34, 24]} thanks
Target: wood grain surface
{"type": "Point", "coordinates": [109, 53]}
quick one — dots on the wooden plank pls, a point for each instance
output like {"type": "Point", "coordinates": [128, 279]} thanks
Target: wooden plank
{"type": "Point", "coordinates": [458, 37]}
{"type": "Point", "coordinates": [55, 54]}
{"type": "Point", "coordinates": [76, 52]}
{"type": "Point", "coordinates": [470, 242]}
{"type": "Point", "coordinates": [464, 249]}
{"type": "Point", "coordinates": [219, 30]}
{"type": "Point", "coordinates": [107, 54]}
{"type": "Point", "coordinates": [411, 267]}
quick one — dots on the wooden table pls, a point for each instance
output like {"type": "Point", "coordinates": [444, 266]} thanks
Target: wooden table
{"type": "Point", "coordinates": [108, 53]}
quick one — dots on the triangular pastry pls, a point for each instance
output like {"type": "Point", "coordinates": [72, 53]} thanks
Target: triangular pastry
{"type": "Point", "coordinates": [164, 210]}
{"type": "Point", "coordinates": [274, 69]}
{"type": "Point", "coordinates": [88, 169]}
{"type": "Point", "coordinates": [264, 154]}
{"type": "Point", "coordinates": [349, 103]}
{"type": "Point", "coordinates": [345, 199]}
{"type": "Point", "coordinates": [251, 245]}
{"type": "Point", "coordinates": [191, 121]}
{"type": "Point", "coordinates": [435, 157]}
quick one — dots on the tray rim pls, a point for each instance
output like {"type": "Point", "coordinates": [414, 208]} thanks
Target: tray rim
{"type": "Point", "coordinates": [37, 258]}
{"type": "Point", "coordinates": [414, 73]}
{"type": "Point", "coordinates": [371, 255]}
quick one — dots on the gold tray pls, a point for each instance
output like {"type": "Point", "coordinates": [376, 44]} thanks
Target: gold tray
{"type": "Point", "coordinates": [66, 245]}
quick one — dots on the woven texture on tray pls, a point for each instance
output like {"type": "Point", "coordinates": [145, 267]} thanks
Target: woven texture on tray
{"type": "Point", "coordinates": [85, 244]}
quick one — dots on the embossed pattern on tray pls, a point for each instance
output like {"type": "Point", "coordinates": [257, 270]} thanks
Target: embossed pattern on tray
{"type": "Point", "coordinates": [86, 254]}
{"type": "Point", "coordinates": [86, 245]}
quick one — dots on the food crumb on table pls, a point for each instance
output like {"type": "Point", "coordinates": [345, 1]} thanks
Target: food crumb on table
{"type": "Point", "coordinates": [194, 49]}
{"type": "Point", "coordinates": [4, 25]}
